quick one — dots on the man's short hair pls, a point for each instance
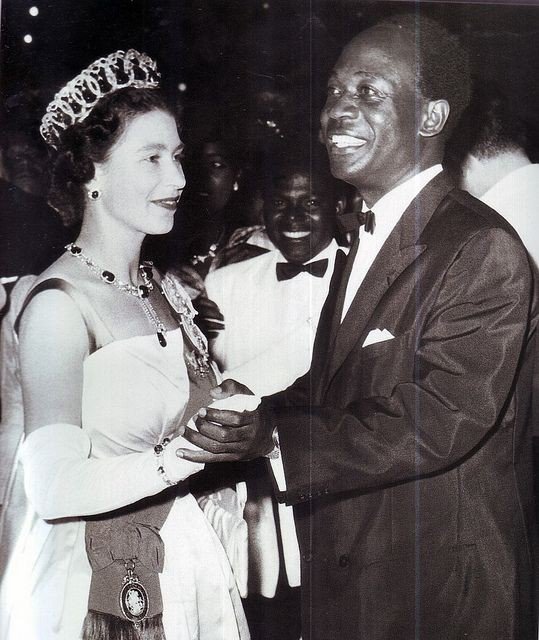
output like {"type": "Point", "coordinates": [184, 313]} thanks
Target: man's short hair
{"type": "Point", "coordinates": [442, 61]}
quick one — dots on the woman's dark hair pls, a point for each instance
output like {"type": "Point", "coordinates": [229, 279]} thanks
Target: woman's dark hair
{"type": "Point", "coordinates": [89, 142]}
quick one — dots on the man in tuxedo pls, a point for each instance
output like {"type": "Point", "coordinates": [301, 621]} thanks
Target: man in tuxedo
{"type": "Point", "coordinates": [407, 448]}
{"type": "Point", "coordinates": [271, 303]}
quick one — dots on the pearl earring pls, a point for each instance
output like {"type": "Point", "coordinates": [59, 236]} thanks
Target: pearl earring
{"type": "Point", "coordinates": [235, 186]}
{"type": "Point", "coordinates": [94, 195]}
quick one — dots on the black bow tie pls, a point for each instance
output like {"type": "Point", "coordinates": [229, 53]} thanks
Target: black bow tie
{"type": "Point", "coordinates": [352, 221]}
{"type": "Point", "coordinates": [287, 270]}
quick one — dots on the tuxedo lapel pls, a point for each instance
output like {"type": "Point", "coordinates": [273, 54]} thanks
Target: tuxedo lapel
{"type": "Point", "coordinates": [323, 334]}
{"type": "Point", "coordinates": [346, 270]}
{"type": "Point", "coordinates": [399, 251]}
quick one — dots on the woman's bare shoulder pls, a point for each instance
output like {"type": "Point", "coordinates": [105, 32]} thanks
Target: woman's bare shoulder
{"type": "Point", "coordinates": [64, 268]}
{"type": "Point", "coordinates": [55, 307]}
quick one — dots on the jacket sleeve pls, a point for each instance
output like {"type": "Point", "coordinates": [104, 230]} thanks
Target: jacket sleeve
{"type": "Point", "coordinates": [460, 382]}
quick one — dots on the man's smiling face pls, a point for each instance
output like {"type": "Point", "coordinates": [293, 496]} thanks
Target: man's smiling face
{"type": "Point", "coordinates": [300, 214]}
{"type": "Point", "coordinates": [369, 121]}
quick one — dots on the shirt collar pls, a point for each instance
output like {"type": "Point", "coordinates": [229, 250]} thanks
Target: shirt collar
{"type": "Point", "coordinates": [394, 203]}
{"type": "Point", "coordinates": [329, 252]}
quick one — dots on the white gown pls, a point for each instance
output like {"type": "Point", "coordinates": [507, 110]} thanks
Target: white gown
{"type": "Point", "coordinates": [134, 395]}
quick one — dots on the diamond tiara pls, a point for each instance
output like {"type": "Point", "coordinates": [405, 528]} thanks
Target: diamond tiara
{"type": "Point", "coordinates": [74, 102]}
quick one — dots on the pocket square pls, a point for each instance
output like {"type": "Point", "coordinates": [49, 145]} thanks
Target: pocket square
{"type": "Point", "coordinates": [377, 335]}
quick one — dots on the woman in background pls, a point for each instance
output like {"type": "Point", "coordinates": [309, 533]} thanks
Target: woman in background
{"type": "Point", "coordinates": [112, 366]}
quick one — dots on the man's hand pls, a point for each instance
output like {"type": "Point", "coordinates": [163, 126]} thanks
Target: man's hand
{"type": "Point", "coordinates": [227, 435]}
{"type": "Point", "coordinates": [229, 388]}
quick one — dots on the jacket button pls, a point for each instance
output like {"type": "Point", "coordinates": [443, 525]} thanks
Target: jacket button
{"type": "Point", "coordinates": [307, 557]}
{"type": "Point", "coordinates": [344, 561]}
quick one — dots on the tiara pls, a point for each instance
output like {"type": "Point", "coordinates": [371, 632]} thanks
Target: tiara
{"type": "Point", "coordinates": [74, 102]}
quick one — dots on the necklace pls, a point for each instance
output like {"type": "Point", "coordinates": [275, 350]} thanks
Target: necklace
{"type": "Point", "coordinates": [140, 292]}
{"type": "Point", "coordinates": [201, 258]}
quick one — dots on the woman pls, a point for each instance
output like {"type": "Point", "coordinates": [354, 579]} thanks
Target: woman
{"type": "Point", "coordinates": [111, 369]}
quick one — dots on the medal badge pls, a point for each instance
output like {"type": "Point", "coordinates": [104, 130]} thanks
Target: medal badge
{"type": "Point", "coordinates": [134, 601]}
{"type": "Point", "coordinates": [197, 357]}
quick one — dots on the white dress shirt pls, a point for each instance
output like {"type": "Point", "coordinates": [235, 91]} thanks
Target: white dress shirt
{"type": "Point", "coordinates": [516, 198]}
{"type": "Point", "coordinates": [387, 212]}
{"type": "Point", "coordinates": [270, 326]}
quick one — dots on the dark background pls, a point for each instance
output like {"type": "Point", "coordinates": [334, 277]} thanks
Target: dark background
{"type": "Point", "coordinates": [219, 48]}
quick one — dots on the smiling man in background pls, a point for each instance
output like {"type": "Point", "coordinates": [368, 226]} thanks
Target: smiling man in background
{"type": "Point", "coordinates": [407, 448]}
{"type": "Point", "coordinates": [271, 305]}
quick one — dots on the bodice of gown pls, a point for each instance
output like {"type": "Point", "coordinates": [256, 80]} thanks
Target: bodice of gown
{"type": "Point", "coordinates": [134, 393]}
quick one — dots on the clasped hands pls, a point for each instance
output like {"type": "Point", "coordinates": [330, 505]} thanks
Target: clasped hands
{"type": "Point", "coordinates": [224, 435]}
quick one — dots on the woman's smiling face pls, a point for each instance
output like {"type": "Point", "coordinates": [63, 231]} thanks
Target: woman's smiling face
{"type": "Point", "coordinates": [141, 180]}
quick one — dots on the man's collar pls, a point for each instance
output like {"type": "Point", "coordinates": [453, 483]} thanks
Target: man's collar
{"type": "Point", "coordinates": [398, 199]}
{"type": "Point", "coordinates": [329, 252]}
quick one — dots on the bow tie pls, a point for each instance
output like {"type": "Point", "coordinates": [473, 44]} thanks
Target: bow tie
{"type": "Point", "coordinates": [287, 270]}
{"type": "Point", "coordinates": [352, 221]}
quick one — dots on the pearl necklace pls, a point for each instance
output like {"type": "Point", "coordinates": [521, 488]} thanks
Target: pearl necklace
{"type": "Point", "coordinates": [140, 292]}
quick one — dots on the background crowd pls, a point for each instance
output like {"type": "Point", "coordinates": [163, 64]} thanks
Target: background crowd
{"type": "Point", "coordinates": [243, 75]}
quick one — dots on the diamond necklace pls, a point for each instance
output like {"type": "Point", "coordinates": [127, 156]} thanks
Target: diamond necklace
{"type": "Point", "coordinates": [140, 292]}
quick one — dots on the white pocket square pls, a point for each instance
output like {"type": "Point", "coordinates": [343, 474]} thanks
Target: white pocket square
{"type": "Point", "coordinates": [377, 335]}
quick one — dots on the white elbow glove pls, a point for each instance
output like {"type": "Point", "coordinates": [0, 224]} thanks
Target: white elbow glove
{"type": "Point", "coordinates": [62, 481]}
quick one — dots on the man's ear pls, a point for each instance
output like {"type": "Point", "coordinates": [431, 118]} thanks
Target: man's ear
{"type": "Point", "coordinates": [434, 117]}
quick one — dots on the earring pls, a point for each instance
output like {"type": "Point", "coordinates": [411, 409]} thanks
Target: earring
{"type": "Point", "coordinates": [235, 186]}
{"type": "Point", "coordinates": [94, 195]}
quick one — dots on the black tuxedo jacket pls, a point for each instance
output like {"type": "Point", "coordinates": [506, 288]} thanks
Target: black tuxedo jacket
{"type": "Point", "coordinates": [408, 460]}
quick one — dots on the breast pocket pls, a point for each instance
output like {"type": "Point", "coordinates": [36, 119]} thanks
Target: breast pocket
{"type": "Point", "coordinates": [385, 364]}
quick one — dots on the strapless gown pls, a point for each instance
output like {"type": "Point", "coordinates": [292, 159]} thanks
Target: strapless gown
{"type": "Point", "coordinates": [134, 395]}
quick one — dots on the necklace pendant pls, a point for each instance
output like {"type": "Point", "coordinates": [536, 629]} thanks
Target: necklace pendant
{"type": "Point", "coordinates": [146, 272]}
{"type": "Point", "coordinates": [161, 338]}
{"type": "Point", "coordinates": [108, 276]}
{"type": "Point", "coordinates": [141, 293]}
{"type": "Point", "coordinates": [74, 249]}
